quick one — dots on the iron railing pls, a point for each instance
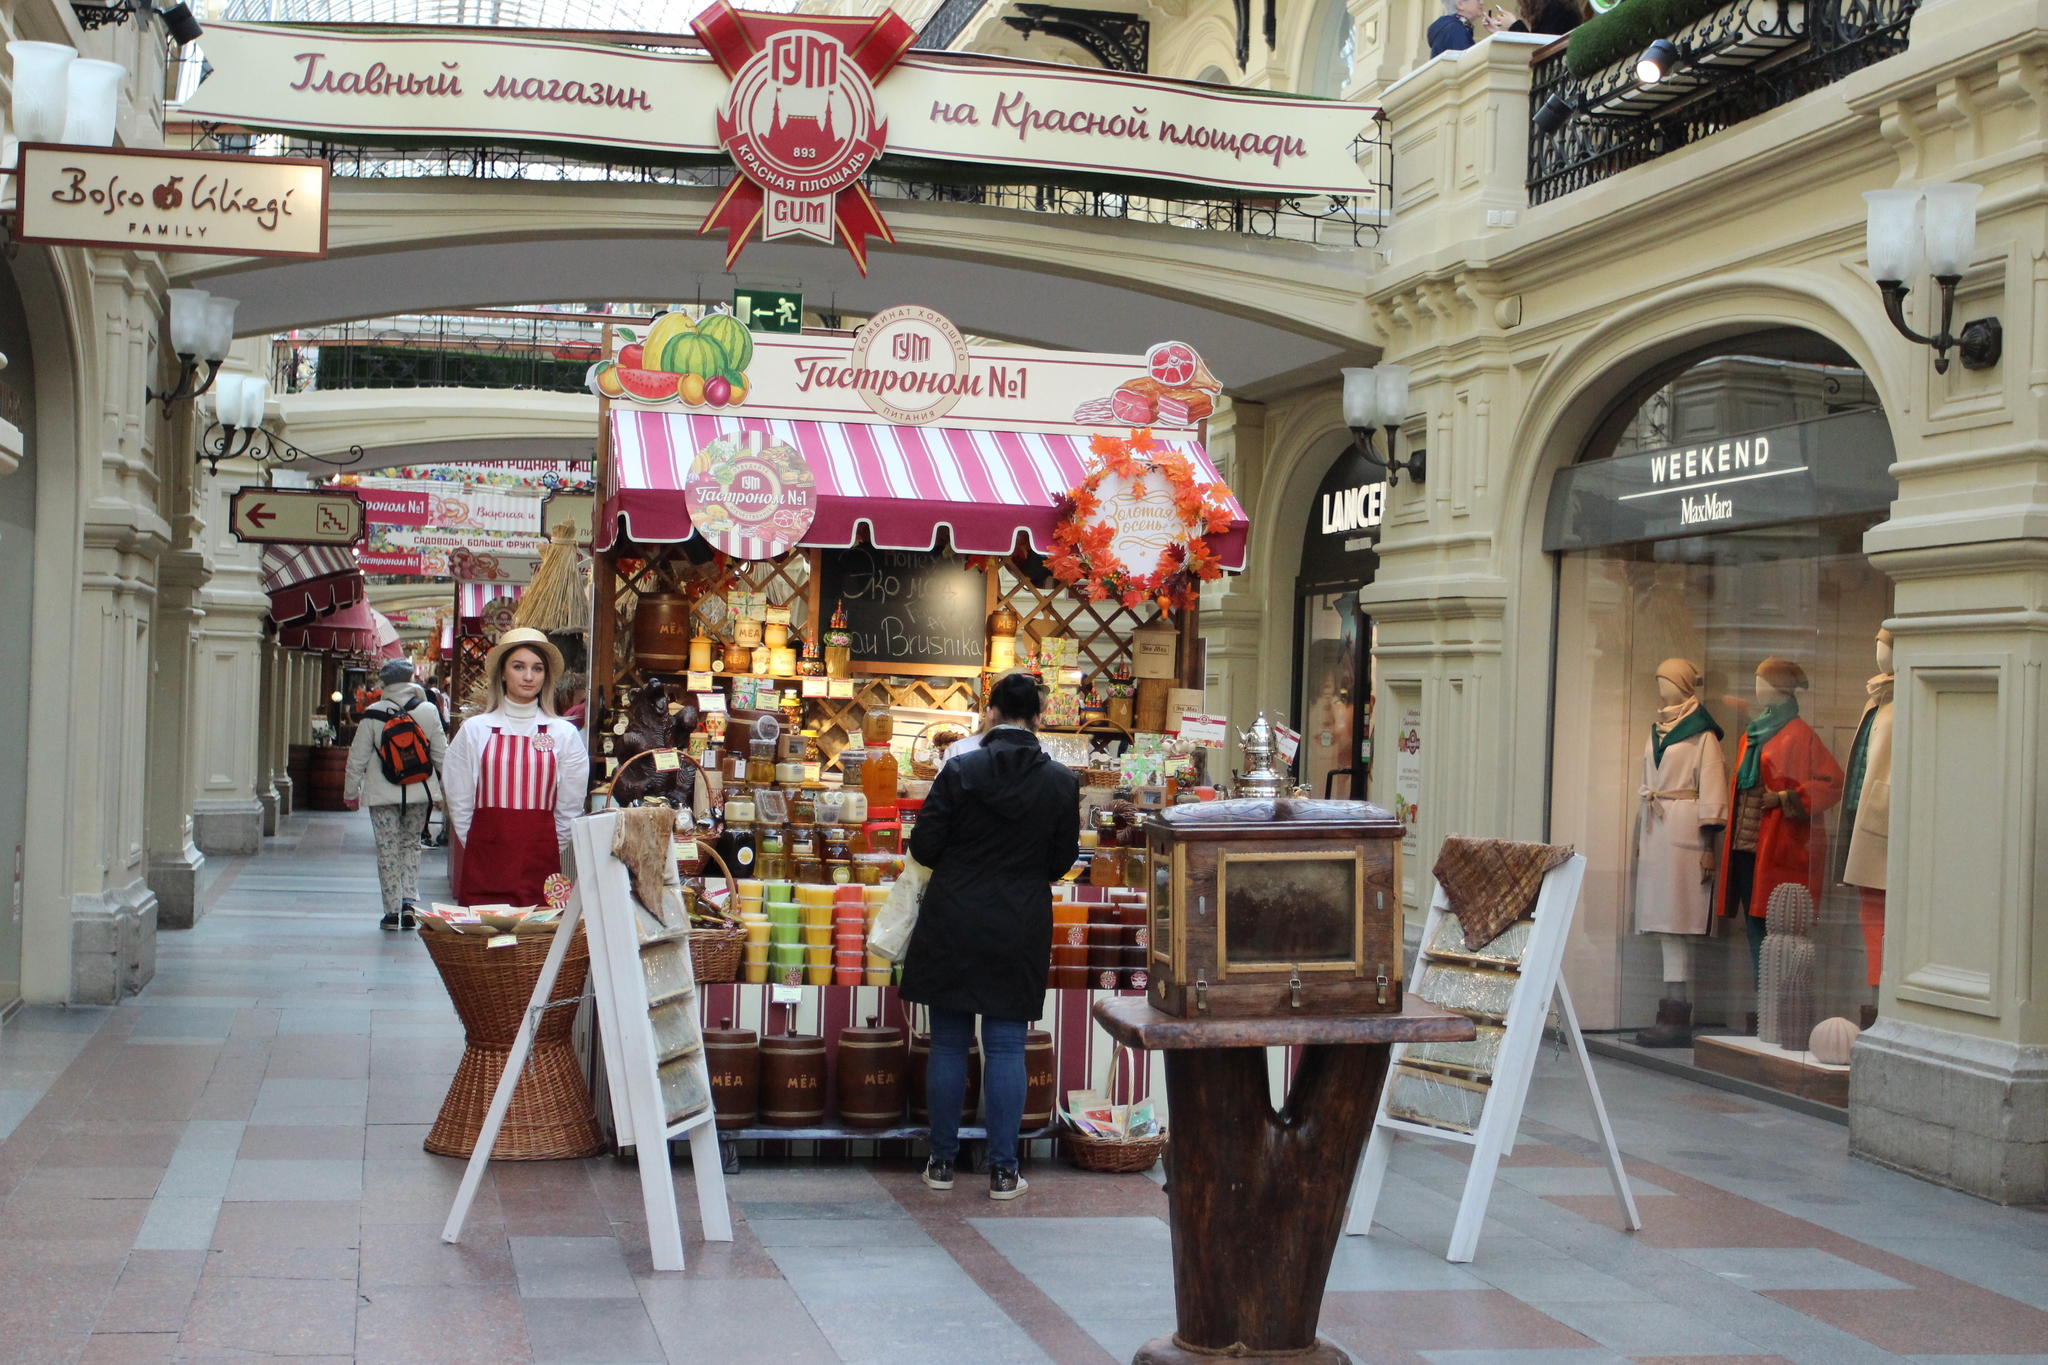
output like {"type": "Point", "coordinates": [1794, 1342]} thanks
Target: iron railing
{"type": "Point", "coordinates": [475, 349]}
{"type": "Point", "coordinates": [1744, 59]}
{"type": "Point", "coordinates": [1328, 220]}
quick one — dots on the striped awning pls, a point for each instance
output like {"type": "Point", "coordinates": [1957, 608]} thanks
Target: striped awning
{"type": "Point", "coordinates": [903, 483]}
{"type": "Point", "coordinates": [310, 580]}
{"type": "Point", "coordinates": [472, 598]}
{"type": "Point", "coordinates": [351, 630]}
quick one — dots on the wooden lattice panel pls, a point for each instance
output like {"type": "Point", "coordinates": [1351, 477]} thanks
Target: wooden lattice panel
{"type": "Point", "coordinates": [665, 568]}
{"type": "Point", "coordinates": [1103, 628]}
{"type": "Point", "coordinates": [466, 670]}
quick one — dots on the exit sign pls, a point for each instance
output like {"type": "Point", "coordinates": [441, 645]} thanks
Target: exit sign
{"type": "Point", "coordinates": [767, 310]}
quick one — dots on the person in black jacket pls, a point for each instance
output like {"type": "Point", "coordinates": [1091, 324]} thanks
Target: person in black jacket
{"type": "Point", "coordinates": [1000, 825]}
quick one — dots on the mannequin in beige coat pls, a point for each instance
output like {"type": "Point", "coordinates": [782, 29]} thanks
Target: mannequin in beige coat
{"type": "Point", "coordinates": [1684, 797]}
{"type": "Point", "coordinates": [1867, 813]}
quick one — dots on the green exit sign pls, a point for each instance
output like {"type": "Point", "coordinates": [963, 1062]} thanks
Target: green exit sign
{"type": "Point", "coordinates": [767, 310]}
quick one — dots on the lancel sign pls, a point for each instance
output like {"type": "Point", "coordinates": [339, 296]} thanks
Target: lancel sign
{"type": "Point", "coordinates": [1833, 466]}
{"type": "Point", "coordinates": [173, 201]}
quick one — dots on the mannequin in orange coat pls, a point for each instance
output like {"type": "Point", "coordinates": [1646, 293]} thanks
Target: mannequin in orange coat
{"type": "Point", "coordinates": [1775, 800]}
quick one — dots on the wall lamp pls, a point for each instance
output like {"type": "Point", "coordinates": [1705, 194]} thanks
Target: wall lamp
{"type": "Point", "coordinates": [1936, 229]}
{"type": "Point", "coordinates": [1379, 397]}
{"type": "Point", "coordinates": [239, 401]}
{"type": "Point", "coordinates": [60, 96]}
{"type": "Point", "coordinates": [202, 328]}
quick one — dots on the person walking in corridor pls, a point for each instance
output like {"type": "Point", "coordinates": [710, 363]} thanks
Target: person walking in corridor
{"type": "Point", "coordinates": [516, 776]}
{"type": "Point", "coordinates": [1002, 822]}
{"type": "Point", "coordinates": [398, 748]}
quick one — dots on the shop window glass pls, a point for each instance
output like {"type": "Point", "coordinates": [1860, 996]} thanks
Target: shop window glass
{"type": "Point", "coordinates": [1797, 589]}
{"type": "Point", "coordinates": [1333, 650]}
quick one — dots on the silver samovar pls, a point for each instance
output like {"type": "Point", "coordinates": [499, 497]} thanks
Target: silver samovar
{"type": "Point", "coordinates": [1260, 778]}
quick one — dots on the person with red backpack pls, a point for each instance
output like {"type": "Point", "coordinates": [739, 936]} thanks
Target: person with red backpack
{"type": "Point", "coordinates": [398, 750]}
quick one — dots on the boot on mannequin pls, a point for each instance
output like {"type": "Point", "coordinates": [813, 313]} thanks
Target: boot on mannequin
{"type": "Point", "coordinates": [1866, 815]}
{"type": "Point", "coordinates": [1684, 805]}
{"type": "Point", "coordinates": [1784, 778]}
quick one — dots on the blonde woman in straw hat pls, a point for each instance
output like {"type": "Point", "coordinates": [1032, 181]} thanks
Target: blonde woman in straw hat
{"type": "Point", "coordinates": [515, 776]}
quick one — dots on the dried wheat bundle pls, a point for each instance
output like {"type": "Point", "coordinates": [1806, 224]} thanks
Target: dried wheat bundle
{"type": "Point", "coordinates": [558, 599]}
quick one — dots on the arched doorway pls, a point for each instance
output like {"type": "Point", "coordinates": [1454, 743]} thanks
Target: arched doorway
{"type": "Point", "coordinates": [17, 584]}
{"type": "Point", "coordinates": [1331, 698]}
{"type": "Point", "coordinates": [1716, 516]}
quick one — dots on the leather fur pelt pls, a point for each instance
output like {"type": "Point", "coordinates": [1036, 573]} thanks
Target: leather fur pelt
{"type": "Point", "coordinates": [642, 841]}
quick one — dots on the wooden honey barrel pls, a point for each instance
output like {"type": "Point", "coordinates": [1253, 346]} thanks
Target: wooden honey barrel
{"type": "Point", "coordinates": [661, 632]}
{"type": "Point", "coordinates": [326, 775]}
{"type": "Point", "coordinates": [297, 760]}
{"type": "Point", "coordinates": [1041, 1081]}
{"type": "Point", "coordinates": [793, 1080]}
{"type": "Point", "coordinates": [871, 1066]}
{"type": "Point", "coordinates": [920, 1057]}
{"type": "Point", "coordinates": [734, 1056]}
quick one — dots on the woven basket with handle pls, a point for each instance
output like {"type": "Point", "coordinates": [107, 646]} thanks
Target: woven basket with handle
{"type": "Point", "coordinates": [716, 953]}
{"type": "Point", "coordinates": [1114, 1156]}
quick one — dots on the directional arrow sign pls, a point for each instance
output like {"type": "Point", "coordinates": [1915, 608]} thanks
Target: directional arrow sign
{"type": "Point", "coordinates": [290, 516]}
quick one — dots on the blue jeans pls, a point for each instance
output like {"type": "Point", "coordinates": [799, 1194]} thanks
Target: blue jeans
{"type": "Point", "coordinates": [1002, 1083]}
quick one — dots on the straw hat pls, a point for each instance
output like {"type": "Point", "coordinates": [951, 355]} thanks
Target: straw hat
{"type": "Point", "coordinates": [529, 638]}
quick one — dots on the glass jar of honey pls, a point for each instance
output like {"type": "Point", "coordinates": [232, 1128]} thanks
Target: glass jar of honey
{"type": "Point", "coordinates": [878, 727]}
{"type": "Point", "coordinates": [761, 763]}
{"type": "Point", "coordinates": [878, 777]}
{"type": "Point", "coordinates": [838, 843]}
{"type": "Point", "coordinates": [809, 871]}
{"type": "Point", "coordinates": [803, 805]}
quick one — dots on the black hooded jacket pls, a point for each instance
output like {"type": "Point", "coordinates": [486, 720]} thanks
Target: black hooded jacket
{"type": "Point", "coordinates": [1001, 824]}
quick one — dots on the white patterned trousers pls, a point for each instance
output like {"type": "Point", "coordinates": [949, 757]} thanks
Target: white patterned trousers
{"type": "Point", "coordinates": [398, 849]}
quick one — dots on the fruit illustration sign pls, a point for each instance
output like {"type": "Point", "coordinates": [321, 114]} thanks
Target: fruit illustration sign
{"type": "Point", "coordinates": [800, 124]}
{"type": "Point", "coordinates": [907, 366]}
{"type": "Point", "coordinates": [751, 500]}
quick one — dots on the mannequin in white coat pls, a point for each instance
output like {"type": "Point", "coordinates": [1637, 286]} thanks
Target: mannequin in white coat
{"type": "Point", "coordinates": [1684, 796]}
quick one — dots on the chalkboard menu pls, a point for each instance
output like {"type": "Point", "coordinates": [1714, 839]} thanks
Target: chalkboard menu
{"type": "Point", "coordinates": [908, 611]}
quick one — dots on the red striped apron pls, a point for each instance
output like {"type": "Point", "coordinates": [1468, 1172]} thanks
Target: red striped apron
{"type": "Point", "coordinates": [511, 848]}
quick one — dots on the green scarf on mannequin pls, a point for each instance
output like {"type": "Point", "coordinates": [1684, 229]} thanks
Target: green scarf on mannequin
{"type": "Point", "coordinates": [1685, 727]}
{"type": "Point", "coordinates": [1768, 722]}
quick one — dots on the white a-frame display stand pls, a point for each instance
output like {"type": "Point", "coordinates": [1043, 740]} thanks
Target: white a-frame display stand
{"type": "Point", "coordinates": [1541, 980]}
{"type": "Point", "coordinates": [603, 903]}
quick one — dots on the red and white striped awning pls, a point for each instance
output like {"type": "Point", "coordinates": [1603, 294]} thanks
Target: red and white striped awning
{"type": "Point", "coordinates": [388, 644]}
{"type": "Point", "coordinates": [309, 580]}
{"type": "Point", "coordinates": [902, 482]}
{"type": "Point", "coordinates": [352, 630]}
{"type": "Point", "coordinates": [472, 598]}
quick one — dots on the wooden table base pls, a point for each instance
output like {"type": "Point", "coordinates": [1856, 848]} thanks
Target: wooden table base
{"type": "Point", "coordinates": [1256, 1197]}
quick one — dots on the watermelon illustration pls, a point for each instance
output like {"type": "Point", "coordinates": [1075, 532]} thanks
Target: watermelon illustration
{"type": "Point", "coordinates": [736, 341]}
{"type": "Point", "coordinates": [648, 386]}
{"type": "Point", "coordinates": [666, 328]}
{"type": "Point", "coordinates": [693, 353]}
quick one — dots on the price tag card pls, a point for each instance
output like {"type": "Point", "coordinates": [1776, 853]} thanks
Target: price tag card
{"type": "Point", "coordinates": [1289, 742]}
{"type": "Point", "coordinates": [697, 682]}
{"type": "Point", "coordinates": [711, 702]}
{"type": "Point", "coordinates": [841, 688]}
{"type": "Point", "coordinates": [1204, 729]}
{"type": "Point", "coordinates": [815, 687]}
{"type": "Point", "coordinates": [777, 616]}
{"type": "Point", "coordinates": [785, 995]}
{"type": "Point", "coordinates": [665, 761]}
{"type": "Point", "coordinates": [502, 941]}
{"type": "Point", "coordinates": [611, 765]}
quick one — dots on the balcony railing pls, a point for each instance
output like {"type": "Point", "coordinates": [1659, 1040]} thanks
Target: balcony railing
{"type": "Point", "coordinates": [498, 349]}
{"type": "Point", "coordinates": [1327, 220]}
{"type": "Point", "coordinates": [1742, 60]}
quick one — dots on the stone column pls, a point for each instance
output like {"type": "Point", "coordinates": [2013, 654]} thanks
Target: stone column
{"type": "Point", "coordinates": [268, 760]}
{"type": "Point", "coordinates": [227, 815]}
{"type": "Point", "coordinates": [1952, 1081]}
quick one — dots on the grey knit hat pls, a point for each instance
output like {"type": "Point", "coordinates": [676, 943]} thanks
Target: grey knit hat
{"type": "Point", "coordinates": [395, 671]}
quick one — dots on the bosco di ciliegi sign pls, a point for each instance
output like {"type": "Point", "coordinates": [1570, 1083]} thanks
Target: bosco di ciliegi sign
{"type": "Point", "coordinates": [172, 201]}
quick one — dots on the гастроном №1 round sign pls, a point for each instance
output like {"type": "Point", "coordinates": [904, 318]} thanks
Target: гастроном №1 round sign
{"type": "Point", "coordinates": [751, 500]}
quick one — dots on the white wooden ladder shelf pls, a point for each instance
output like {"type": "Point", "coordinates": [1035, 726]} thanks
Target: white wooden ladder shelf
{"type": "Point", "coordinates": [603, 902]}
{"type": "Point", "coordinates": [1473, 1092]}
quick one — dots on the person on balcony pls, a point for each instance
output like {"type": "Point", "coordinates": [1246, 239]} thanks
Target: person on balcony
{"type": "Point", "coordinates": [1465, 22]}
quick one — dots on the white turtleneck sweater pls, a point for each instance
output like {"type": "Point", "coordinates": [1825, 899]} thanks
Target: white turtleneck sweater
{"type": "Point", "coordinates": [460, 775]}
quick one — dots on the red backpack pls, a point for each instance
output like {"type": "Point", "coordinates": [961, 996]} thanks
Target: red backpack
{"type": "Point", "coordinates": [403, 751]}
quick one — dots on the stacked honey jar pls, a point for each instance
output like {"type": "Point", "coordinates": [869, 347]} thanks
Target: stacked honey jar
{"type": "Point", "coordinates": [1099, 946]}
{"type": "Point", "coordinates": [780, 827]}
{"type": "Point", "coordinates": [806, 934]}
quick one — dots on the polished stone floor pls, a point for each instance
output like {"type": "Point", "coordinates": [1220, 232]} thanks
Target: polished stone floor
{"type": "Point", "coordinates": [228, 1168]}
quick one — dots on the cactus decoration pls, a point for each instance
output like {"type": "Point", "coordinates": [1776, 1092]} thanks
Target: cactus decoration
{"type": "Point", "coordinates": [1786, 1010]}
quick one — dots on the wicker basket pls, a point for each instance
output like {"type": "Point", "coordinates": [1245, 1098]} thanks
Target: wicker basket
{"type": "Point", "coordinates": [716, 953]}
{"type": "Point", "coordinates": [550, 1115]}
{"type": "Point", "coordinates": [1115, 1156]}
{"type": "Point", "coordinates": [1111, 1157]}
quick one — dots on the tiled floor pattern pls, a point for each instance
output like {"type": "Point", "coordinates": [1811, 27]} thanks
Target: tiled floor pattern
{"type": "Point", "coordinates": [228, 1168]}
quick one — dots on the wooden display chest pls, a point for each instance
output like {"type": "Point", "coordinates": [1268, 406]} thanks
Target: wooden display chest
{"type": "Point", "coordinates": [1267, 908]}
